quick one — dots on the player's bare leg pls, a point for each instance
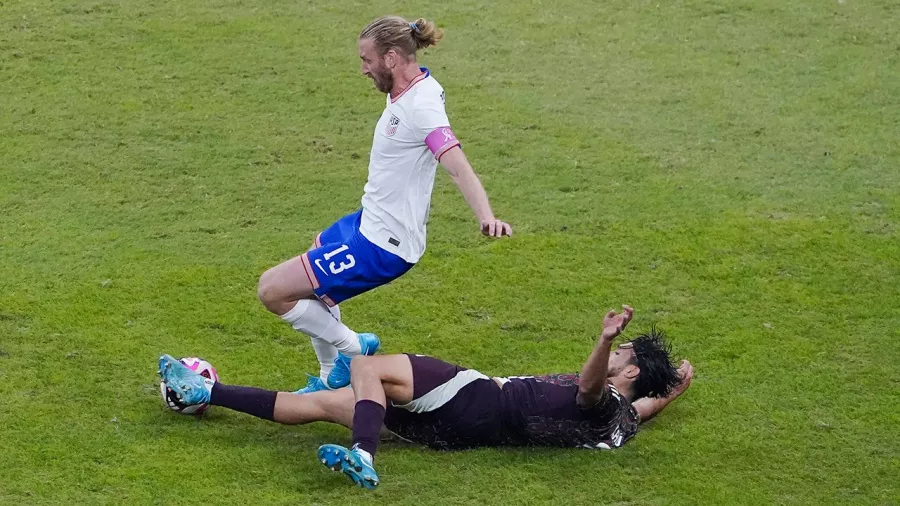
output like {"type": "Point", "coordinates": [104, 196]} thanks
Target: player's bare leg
{"type": "Point", "coordinates": [287, 290]}
{"type": "Point", "coordinates": [375, 380]}
{"type": "Point", "coordinates": [382, 378]}
{"type": "Point", "coordinates": [282, 286]}
{"type": "Point", "coordinates": [335, 406]}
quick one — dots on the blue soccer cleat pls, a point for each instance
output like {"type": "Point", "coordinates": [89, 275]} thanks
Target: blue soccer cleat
{"type": "Point", "coordinates": [189, 387]}
{"type": "Point", "coordinates": [313, 384]}
{"type": "Point", "coordinates": [355, 465]}
{"type": "Point", "coordinates": [339, 377]}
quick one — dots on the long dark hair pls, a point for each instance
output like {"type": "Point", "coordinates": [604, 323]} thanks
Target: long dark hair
{"type": "Point", "coordinates": [658, 374]}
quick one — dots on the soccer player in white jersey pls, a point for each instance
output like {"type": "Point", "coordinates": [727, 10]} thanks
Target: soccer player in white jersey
{"type": "Point", "coordinates": [385, 238]}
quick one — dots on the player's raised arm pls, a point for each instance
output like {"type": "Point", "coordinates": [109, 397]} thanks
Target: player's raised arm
{"type": "Point", "coordinates": [648, 407]}
{"type": "Point", "coordinates": [454, 160]}
{"type": "Point", "coordinates": [592, 383]}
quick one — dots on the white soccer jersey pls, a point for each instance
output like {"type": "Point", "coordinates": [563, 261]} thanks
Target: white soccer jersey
{"type": "Point", "coordinates": [410, 138]}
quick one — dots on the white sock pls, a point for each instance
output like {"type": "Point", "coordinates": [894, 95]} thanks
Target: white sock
{"type": "Point", "coordinates": [335, 311]}
{"type": "Point", "coordinates": [313, 318]}
{"type": "Point", "coordinates": [326, 353]}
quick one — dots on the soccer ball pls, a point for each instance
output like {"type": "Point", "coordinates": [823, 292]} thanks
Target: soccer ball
{"type": "Point", "coordinates": [201, 367]}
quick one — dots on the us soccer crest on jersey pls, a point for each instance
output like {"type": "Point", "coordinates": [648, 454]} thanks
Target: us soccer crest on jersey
{"type": "Point", "coordinates": [392, 126]}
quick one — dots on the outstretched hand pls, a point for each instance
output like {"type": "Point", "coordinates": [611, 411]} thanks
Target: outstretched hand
{"type": "Point", "coordinates": [614, 323]}
{"type": "Point", "coordinates": [495, 228]}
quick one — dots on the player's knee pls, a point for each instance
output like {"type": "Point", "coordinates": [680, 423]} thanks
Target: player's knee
{"type": "Point", "coordinates": [363, 365]}
{"type": "Point", "coordinates": [268, 293]}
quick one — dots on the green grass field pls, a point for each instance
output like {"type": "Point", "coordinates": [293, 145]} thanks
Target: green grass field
{"type": "Point", "coordinates": [731, 169]}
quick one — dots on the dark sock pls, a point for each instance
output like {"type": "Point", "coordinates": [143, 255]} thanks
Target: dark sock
{"type": "Point", "coordinates": [253, 401]}
{"type": "Point", "coordinates": [368, 418]}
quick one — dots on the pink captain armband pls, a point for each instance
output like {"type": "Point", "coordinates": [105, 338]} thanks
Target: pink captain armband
{"type": "Point", "coordinates": [440, 140]}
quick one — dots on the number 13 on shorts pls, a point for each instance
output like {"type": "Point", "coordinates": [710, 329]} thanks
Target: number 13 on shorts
{"type": "Point", "coordinates": [344, 264]}
{"type": "Point", "coordinates": [341, 264]}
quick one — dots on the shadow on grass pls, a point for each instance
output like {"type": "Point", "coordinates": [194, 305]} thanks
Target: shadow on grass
{"type": "Point", "coordinates": [276, 449]}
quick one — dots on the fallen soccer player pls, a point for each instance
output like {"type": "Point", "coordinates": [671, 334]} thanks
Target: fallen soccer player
{"type": "Point", "coordinates": [444, 406]}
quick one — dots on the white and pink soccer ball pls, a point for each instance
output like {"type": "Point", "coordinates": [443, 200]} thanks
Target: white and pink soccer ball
{"type": "Point", "coordinates": [199, 366]}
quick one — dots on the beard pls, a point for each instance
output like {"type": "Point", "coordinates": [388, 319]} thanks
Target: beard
{"type": "Point", "coordinates": [382, 79]}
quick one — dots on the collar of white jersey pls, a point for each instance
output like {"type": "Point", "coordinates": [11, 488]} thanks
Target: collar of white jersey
{"type": "Point", "coordinates": [419, 78]}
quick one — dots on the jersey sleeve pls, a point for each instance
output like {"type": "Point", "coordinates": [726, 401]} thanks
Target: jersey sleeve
{"type": "Point", "coordinates": [609, 403]}
{"type": "Point", "coordinates": [432, 126]}
{"type": "Point", "coordinates": [616, 415]}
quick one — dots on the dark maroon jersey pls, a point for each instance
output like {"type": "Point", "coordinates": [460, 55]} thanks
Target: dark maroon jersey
{"type": "Point", "coordinates": [456, 408]}
{"type": "Point", "coordinates": [543, 411]}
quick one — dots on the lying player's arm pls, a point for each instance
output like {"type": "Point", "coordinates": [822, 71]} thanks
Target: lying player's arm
{"type": "Point", "coordinates": [592, 382]}
{"type": "Point", "coordinates": [648, 407]}
{"type": "Point", "coordinates": [454, 160]}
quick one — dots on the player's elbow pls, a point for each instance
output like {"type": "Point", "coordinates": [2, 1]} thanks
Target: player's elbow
{"type": "Point", "coordinates": [453, 171]}
{"type": "Point", "coordinates": [464, 178]}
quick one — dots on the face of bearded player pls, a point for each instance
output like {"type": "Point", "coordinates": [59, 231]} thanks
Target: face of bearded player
{"type": "Point", "coordinates": [374, 67]}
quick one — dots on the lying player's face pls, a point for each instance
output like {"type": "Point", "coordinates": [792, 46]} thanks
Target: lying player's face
{"type": "Point", "coordinates": [619, 359]}
{"type": "Point", "coordinates": [373, 66]}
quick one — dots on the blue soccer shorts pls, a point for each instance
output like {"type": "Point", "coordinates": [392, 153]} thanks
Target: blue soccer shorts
{"type": "Point", "coordinates": [343, 263]}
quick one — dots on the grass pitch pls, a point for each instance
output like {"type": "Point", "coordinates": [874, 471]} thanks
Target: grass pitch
{"type": "Point", "coordinates": [728, 168]}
